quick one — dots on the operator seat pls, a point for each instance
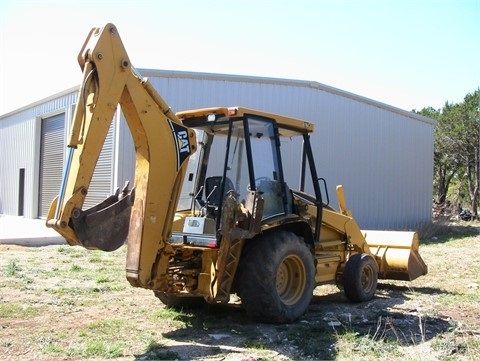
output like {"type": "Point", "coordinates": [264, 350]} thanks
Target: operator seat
{"type": "Point", "coordinates": [213, 187]}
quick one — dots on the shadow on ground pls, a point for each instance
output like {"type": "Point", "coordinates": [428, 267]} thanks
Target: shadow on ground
{"type": "Point", "coordinates": [214, 331]}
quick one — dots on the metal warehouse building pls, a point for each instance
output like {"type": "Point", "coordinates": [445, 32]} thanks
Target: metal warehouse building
{"type": "Point", "coordinates": [382, 155]}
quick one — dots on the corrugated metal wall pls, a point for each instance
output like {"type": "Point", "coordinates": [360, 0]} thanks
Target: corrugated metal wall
{"type": "Point", "coordinates": [102, 179]}
{"type": "Point", "coordinates": [381, 155]}
{"type": "Point", "coordinates": [19, 148]}
{"type": "Point", "coordinates": [15, 154]}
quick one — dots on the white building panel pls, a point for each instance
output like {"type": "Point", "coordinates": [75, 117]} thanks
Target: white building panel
{"type": "Point", "coordinates": [20, 144]}
{"type": "Point", "coordinates": [19, 148]}
{"type": "Point", "coordinates": [383, 156]}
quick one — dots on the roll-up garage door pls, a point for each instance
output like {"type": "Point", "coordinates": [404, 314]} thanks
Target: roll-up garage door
{"type": "Point", "coordinates": [52, 151]}
{"type": "Point", "coordinates": [101, 185]}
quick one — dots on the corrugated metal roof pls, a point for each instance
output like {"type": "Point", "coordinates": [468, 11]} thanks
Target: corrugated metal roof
{"type": "Point", "coordinates": [45, 105]}
{"type": "Point", "coordinates": [248, 79]}
{"type": "Point", "coordinates": [280, 81]}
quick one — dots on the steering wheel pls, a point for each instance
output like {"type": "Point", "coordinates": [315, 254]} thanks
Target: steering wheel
{"type": "Point", "coordinates": [258, 180]}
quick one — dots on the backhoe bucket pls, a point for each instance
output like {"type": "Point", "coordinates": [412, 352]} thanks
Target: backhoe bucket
{"type": "Point", "coordinates": [397, 254]}
{"type": "Point", "coordinates": [105, 226]}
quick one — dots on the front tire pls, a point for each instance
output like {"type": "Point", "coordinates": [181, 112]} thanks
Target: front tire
{"type": "Point", "coordinates": [276, 277]}
{"type": "Point", "coordinates": [360, 277]}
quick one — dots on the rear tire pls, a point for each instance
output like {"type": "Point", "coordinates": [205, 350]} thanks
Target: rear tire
{"type": "Point", "coordinates": [276, 277]}
{"type": "Point", "coordinates": [360, 278]}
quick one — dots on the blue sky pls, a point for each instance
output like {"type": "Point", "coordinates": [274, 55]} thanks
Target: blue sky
{"type": "Point", "coordinates": [409, 54]}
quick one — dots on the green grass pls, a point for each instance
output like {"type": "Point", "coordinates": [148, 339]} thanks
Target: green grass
{"type": "Point", "coordinates": [314, 339]}
{"type": "Point", "coordinates": [255, 344]}
{"type": "Point", "coordinates": [458, 298]}
{"type": "Point", "coordinates": [104, 328]}
{"type": "Point", "coordinates": [351, 345]}
{"type": "Point", "coordinates": [12, 310]}
{"type": "Point", "coordinates": [76, 268]}
{"type": "Point", "coordinates": [103, 279]}
{"type": "Point", "coordinates": [158, 351]}
{"type": "Point", "coordinates": [98, 315]}
{"type": "Point", "coordinates": [172, 317]}
{"type": "Point", "coordinates": [100, 338]}
{"type": "Point", "coordinates": [441, 232]}
{"type": "Point", "coordinates": [459, 346]}
{"type": "Point", "coordinates": [85, 349]}
{"type": "Point", "coordinates": [12, 269]}
{"type": "Point", "coordinates": [97, 348]}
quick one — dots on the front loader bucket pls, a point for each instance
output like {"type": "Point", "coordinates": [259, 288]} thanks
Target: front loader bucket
{"type": "Point", "coordinates": [105, 226]}
{"type": "Point", "coordinates": [397, 254]}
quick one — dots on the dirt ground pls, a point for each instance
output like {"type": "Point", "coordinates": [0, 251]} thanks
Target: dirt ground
{"type": "Point", "coordinates": [63, 303]}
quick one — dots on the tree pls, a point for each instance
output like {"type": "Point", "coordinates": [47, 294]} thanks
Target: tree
{"type": "Point", "coordinates": [470, 116]}
{"type": "Point", "coordinates": [457, 148]}
{"type": "Point", "coordinates": [446, 163]}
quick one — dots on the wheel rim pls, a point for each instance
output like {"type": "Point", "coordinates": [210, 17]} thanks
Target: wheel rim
{"type": "Point", "coordinates": [291, 280]}
{"type": "Point", "coordinates": [367, 278]}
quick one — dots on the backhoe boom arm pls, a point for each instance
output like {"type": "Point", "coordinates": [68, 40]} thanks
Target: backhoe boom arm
{"type": "Point", "coordinates": [162, 144]}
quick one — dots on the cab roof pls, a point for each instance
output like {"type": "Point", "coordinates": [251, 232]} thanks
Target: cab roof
{"type": "Point", "coordinates": [217, 119]}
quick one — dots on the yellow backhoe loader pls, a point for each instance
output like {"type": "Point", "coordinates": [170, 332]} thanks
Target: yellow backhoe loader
{"type": "Point", "coordinates": [210, 214]}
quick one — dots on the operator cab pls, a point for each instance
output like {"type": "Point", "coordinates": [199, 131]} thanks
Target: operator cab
{"type": "Point", "coordinates": [239, 151]}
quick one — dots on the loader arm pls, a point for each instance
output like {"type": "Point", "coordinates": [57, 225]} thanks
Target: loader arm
{"type": "Point", "coordinates": [396, 253]}
{"type": "Point", "coordinates": [143, 215]}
